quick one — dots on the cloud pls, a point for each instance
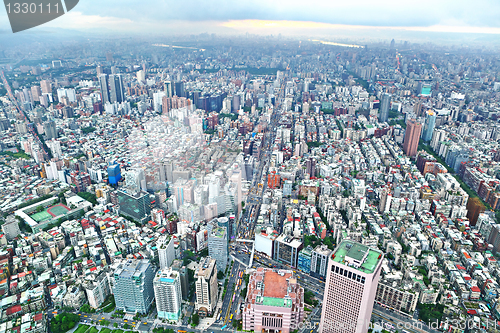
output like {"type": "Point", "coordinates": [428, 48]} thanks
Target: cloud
{"type": "Point", "coordinates": [79, 21]}
{"type": "Point", "coordinates": [195, 15]}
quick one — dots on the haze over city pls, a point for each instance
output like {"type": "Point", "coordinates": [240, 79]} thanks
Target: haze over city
{"type": "Point", "coordinates": [265, 166]}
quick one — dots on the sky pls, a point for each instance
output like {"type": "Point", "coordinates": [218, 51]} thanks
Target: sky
{"type": "Point", "coordinates": [276, 16]}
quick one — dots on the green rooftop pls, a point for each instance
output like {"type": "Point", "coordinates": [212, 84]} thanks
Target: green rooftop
{"type": "Point", "coordinates": [359, 256]}
{"type": "Point", "coordinates": [218, 232]}
{"type": "Point", "coordinates": [273, 301]}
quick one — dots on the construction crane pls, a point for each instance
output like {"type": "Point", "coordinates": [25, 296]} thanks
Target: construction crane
{"type": "Point", "coordinates": [23, 115]}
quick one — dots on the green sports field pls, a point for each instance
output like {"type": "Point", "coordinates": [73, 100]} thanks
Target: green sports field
{"type": "Point", "coordinates": [41, 216]}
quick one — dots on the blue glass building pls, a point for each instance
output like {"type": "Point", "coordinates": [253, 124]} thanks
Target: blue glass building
{"type": "Point", "coordinates": [114, 173]}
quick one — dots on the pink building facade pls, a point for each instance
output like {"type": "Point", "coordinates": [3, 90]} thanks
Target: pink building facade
{"type": "Point", "coordinates": [274, 302]}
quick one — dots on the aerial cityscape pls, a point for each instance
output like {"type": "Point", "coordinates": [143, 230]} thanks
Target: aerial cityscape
{"type": "Point", "coordinates": [249, 182]}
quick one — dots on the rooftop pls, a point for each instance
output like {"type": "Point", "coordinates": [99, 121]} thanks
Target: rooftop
{"type": "Point", "coordinates": [218, 232]}
{"type": "Point", "coordinates": [357, 255]}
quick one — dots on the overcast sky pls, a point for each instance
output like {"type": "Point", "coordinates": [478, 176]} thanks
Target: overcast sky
{"type": "Point", "coordinates": [192, 16]}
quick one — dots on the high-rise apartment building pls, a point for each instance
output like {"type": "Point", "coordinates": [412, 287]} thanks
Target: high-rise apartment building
{"type": "Point", "coordinates": [50, 129]}
{"type": "Point", "coordinates": [218, 247]}
{"type": "Point", "coordinates": [168, 294]}
{"type": "Point", "coordinates": [46, 87]}
{"type": "Point", "coordinates": [206, 287]}
{"type": "Point", "coordinates": [178, 266]}
{"type": "Point", "coordinates": [412, 136]}
{"type": "Point", "coordinates": [133, 286]}
{"type": "Point", "coordinates": [166, 250]}
{"type": "Point", "coordinates": [351, 284]}
{"type": "Point", "coordinates": [385, 104]}
{"type": "Point", "coordinates": [97, 289]}
{"type": "Point", "coordinates": [274, 301]}
{"type": "Point", "coordinates": [319, 261]}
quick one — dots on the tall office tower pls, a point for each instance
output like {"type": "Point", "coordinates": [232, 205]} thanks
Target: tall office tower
{"type": "Point", "coordinates": [133, 286]}
{"type": "Point", "coordinates": [99, 70]}
{"type": "Point", "coordinates": [166, 250]}
{"type": "Point", "coordinates": [385, 103]}
{"type": "Point", "coordinates": [274, 302]}
{"type": "Point", "coordinates": [46, 86]}
{"type": "Point", "coordinates": [412, 136]}
{"type": "Point", "coordinates": [167, 88]}
{"type": "Point", "coordinates": [218, 247]}
{"type": "Point", "coordinates": [103, 82]}
{"type": "Point", "coordinates": [350, 288]}
{"type": "Point", "coordinates": [134, 203]}
{"type": "Point", "coordinates": [206, 287]}
{"type": "Point", "coordinates": [168, 294]}
{"type": "Point", "coordinates": [50, 129]}
{"type": "Point", "coordinates": [179, 89]}
{"type": "Point", "coordinates": [430, 123]}
{"type": "Point", "coordinates": [117, 92]}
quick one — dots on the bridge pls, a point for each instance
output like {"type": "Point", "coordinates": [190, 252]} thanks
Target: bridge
{"type": "Point", "coordinates": [253, 250]}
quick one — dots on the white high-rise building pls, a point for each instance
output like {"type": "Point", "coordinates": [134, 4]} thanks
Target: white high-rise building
{"type": "Point", "coordinates": [351, 284]}
{"type": "Point", "coordinates": [166, 250]}
{"type": "Point", "coordinates": [97, 289]}
{"type": "Point", "coordinates": [168, 294]}
{"type": "Point", "coordinates": [206, 287]}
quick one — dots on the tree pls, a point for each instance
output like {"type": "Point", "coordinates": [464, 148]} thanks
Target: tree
{"type": "Point", "coordinates": [220, 275]}
{"type": "Point", "coordinates": [115, 325]}
{"type": "Point", "coordinates": [86, 308]}
{"type": "Point", "coordinates": [63, 322]}
{"type": "Point", "coordinates": [39, 209]}
{"type": "Point", "coordinates": [195, 319]}
{"type": "Point", "coordinates": [309, 298]}
{"type": "Point", "coordinates": [243, 204]}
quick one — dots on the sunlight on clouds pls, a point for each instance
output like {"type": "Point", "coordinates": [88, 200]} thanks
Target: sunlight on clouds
{"type": "Point", "coordinates": [77, 20]}
{"type": "Point", "coordinates": [270, 25]}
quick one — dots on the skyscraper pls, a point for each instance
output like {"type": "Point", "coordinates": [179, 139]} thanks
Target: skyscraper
{"type": "Point", "coordinates": [117, 92]}
{"type": "Point", "coordinates": [103, 83]}
{"type": "Point", "coordinates": [385, 103]}
{"type": "Point", "coordinates": [133, 286]}
{"type": "Point", "coordinates": [412, 136]}
{"type": "Point", "coordinates": [179, 89]}
{"type": "Point", "coordinates": [351, 284]}
{"type": "Point", "coordinates": [167, 88]}
{"type": "Point", "coordinates": [168, 294]}
{"type": "Point", "coordinates": [218, 247]}
{"type": "Point", "coordinates": [430, 123]}
{"type": "Point", "coordinates": [166, 250]}
{"type": "Point", "coordinates": [206, 287]}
